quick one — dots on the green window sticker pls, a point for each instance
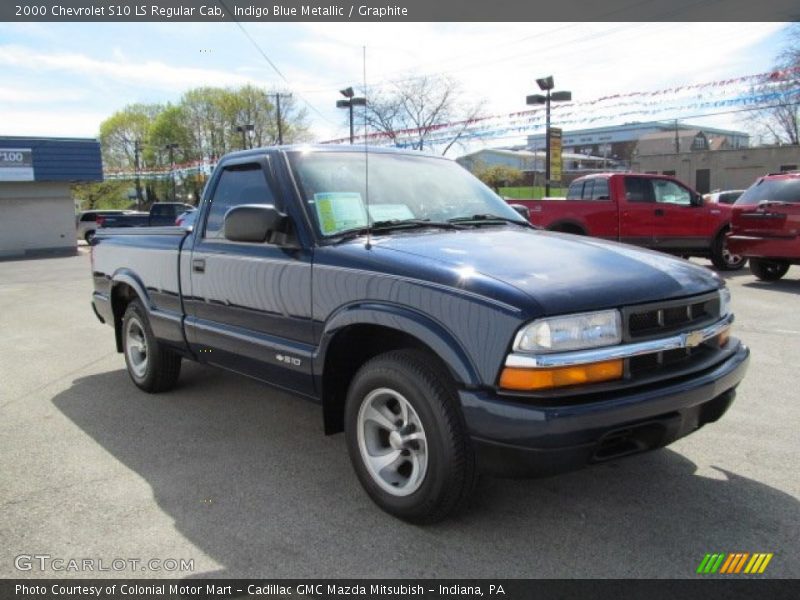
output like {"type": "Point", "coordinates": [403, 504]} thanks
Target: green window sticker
{"type": "Point", "coordinates": [339, 211]}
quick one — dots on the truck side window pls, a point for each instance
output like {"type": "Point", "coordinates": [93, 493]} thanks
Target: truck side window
{"type": "Point", "coordinates": [240, 184]}
{"type": "Point", "coordinates": [575, 191]}
{"type": "Point", "coordinates": [600, 190]}
{"type": "Point", "coordinates": [638, 189]}
{"type": "Point", "coordinates": [671, 193]}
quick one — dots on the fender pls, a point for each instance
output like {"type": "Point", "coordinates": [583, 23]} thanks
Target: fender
{"type": "Point", "coordinates": [720, 229]}
{"type": "Point", "coordinates": [129, 278]}
{"type": "Point", "coordinates": [405, 320]}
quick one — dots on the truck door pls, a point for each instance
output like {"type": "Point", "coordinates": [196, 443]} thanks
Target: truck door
{"type": "Point", "coordinates": [680, 222]}
{"type": "Point", "coordinates": [636, 204]}
{"type": "Point", "coordinates": [249, 307]}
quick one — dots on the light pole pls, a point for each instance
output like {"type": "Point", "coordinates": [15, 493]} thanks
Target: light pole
{"type": "Point", "coordinates": [171, 149]}
{"type": "Point", "coordinates": [546, 84]}
{"type": "Point", "coordinates": [246, 131]}
{"type": "Point", "coordinates": [349, 104]}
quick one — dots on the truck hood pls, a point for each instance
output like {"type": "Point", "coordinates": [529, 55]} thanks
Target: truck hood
{"type": "Point", "coordinates": [562, 273]}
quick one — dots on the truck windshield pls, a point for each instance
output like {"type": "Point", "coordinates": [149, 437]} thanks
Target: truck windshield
{"type": "Point", "coordinates": [775, 190]}
{"type": "Point", "coordinates": [402, 188]}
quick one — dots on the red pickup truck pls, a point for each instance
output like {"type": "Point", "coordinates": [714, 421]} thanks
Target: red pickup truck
{"type": "Point", "coordinates": [766, 225]}
{"type": "Point", "coordinates": [654, 211]}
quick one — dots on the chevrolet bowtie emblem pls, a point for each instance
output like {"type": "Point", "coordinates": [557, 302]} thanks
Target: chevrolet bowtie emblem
{"type": "Point", "coordinates": [693, 339]}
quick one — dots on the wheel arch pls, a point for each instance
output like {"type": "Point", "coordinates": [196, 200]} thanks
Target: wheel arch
{"type": "Point", "coordinates": [125, 287]}
{"type": "Point", "coordinates": [359, 333]}
{"type": "Point", "coordinates": [568, 226]}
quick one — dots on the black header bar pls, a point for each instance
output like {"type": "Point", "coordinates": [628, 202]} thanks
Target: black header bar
{"type": "Point", "coordinates": [398, 10]}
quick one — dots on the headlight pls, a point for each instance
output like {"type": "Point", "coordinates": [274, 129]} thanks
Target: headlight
{"type": "Point", "coordinates": [724, 302]}
{"type": "Point", "coordinates": [572, 332]}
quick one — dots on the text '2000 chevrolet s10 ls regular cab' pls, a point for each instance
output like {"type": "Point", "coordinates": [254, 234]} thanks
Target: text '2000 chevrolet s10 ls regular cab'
{"type": "Point", "coordinates": [438, 329]}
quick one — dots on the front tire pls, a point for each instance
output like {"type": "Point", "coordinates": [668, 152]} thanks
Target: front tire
{"type": "Point", "coordinates": [768, 270]}
{"type": "Point", "coordinates": [89, 236]}
{"type": "Point", "coordinates": [151, 366]}
{"type": "Point", "coordinates": [407, 439]}
{"type": "Point", "coordinates": [722, 258]}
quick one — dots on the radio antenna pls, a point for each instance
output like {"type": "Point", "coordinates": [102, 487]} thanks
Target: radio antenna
{"type": "Point", "coordinates": [366, 149]}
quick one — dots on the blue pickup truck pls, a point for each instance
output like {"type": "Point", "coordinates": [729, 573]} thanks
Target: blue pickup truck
{"type": "Point", "coordinates": [438, 329]}
{"type": "Point", "coordinates": [161, 214]}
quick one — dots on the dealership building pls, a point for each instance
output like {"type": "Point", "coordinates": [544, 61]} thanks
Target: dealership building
{"type": "Point", "coordinates": [37, 213]}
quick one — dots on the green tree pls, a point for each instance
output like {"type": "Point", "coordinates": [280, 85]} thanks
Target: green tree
{"type": "Point", "coordinates": [498, 176]}
{"type": "Point", "coordinates": [110, 194]}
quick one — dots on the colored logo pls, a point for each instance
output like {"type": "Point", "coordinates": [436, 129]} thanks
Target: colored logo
{"type": "Point", "coordinates": [735, 563]}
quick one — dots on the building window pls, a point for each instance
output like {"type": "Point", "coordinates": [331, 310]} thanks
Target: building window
{"type": "Point", "coordinates": [785, 168]}
{"type": "Point", "coordinates": [670, 173]}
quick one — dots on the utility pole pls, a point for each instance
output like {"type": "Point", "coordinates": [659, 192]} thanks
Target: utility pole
{"type": "Point", "coordinates": [677, 139]}
{"type": "Point", "coordinates": [137, 149]}
{"type": "Point", "coordinates": [278, 97]}
{"type": "Point", "coordinates": [171, 148]}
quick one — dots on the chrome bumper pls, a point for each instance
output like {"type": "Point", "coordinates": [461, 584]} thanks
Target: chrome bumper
{"type": "Point", "coordinates": [688, 339]}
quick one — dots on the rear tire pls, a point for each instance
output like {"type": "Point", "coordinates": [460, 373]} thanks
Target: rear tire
{"type": "Point", "coordinates": [768, 270]}
{"type": "Point", "coordinates": [89, 236]}
{"type": "Point", "coordinates": [151, 366]}
{"type": "Point", "coordinates": [407, 439]}
{"type": "Point", "coordinates": [722, 258]}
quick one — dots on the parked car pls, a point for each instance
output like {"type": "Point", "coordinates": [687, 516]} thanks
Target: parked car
{"type": "Point", "coordinates": [766, 225]}
{"type": "Point", "coordinates": [437, 328]}
{"type": "Point", "coordinates": [86, 221]}
{"type": "Point", "coordinates": [654, 211]}
{"type": "Point", "coordinates": [186, 219]}
{"type": "Point", "coordinates": [722, 197]}
{"type": "Point", "coordinates": [160, 214]}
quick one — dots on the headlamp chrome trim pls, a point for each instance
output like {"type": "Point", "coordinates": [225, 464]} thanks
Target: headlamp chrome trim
{"type": "Point", "coordinates": [686, 339]}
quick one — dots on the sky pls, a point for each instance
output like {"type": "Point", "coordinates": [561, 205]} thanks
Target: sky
{"type": "Point", "coordinates": [64, 79]}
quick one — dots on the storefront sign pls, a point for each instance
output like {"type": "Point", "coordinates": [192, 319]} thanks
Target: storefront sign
{"type": "Point", "coordinates": [16, 164]}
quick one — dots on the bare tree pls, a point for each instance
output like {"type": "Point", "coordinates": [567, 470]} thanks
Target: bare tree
{"type": "Point", "coordinates": [424, 111]}
{"type": "Point", "coordinates": [781, 121]}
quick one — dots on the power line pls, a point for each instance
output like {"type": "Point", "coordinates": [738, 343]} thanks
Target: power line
{"type": "Point", "coordinates": [269, 61]}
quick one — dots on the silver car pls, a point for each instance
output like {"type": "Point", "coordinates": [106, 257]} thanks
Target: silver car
{"type": "Point", "coordinates": [86, 222]}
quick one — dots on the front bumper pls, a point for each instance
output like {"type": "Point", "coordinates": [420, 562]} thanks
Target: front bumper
{"type": "Point", "coordinates": [515, 439]}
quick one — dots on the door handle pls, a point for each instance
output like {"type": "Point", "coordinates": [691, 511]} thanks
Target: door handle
{"type": "Point", "coordinates": [659, 212]}
{"type": "Point", "coordinates": [199, 265]}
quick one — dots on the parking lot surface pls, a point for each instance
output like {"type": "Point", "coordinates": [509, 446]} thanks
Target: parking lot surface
{"type": "Point", "coordinates": [239, 478]}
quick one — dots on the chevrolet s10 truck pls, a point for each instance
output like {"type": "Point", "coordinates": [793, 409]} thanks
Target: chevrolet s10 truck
{"type": "Point", "coordinates": [437, 328]}
{"type": "Point", "coordinates": [644, 209]}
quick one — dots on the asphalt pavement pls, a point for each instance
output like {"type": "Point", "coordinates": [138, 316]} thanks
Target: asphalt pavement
{"type": "Point", "coordinates": [239, 479]}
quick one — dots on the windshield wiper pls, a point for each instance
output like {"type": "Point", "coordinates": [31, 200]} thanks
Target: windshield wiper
{"type": "Point", "coordinates": [392, 225]}
{"type": "Point", "coordinates": [487, 219]}
{"type": "Point", "coordinates": [411, 223]}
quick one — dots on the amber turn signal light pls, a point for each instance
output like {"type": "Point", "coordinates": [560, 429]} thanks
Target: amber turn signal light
{"type": "Point", "coordinates": [513, 378]}
{"type": "Point", "coordinates": [724, 337]}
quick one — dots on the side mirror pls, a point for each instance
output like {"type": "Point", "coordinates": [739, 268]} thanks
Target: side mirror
{"type": "Point", "coordinates": [522, 210]}
{"type": "Point", "coordinates": [697, 200]}
{"type": "Point", "coordinates": [252, 222]}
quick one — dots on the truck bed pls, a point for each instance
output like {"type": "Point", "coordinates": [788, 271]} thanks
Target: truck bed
{"type": "Point", "coordinates": [151, 259]}
{"type": "Point", "coordinates": [557, 213]}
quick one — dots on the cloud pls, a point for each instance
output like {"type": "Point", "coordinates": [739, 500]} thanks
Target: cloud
{"type": "Point", "coordinates": [51, 123]}
{"type": "Point", "coordinates": [148, 73]}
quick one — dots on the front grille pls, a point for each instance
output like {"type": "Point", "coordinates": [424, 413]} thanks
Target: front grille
{"type": "Point", "coordinates": [662, 318]}
{"type": "Point", "coordinates": [649, 364]}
